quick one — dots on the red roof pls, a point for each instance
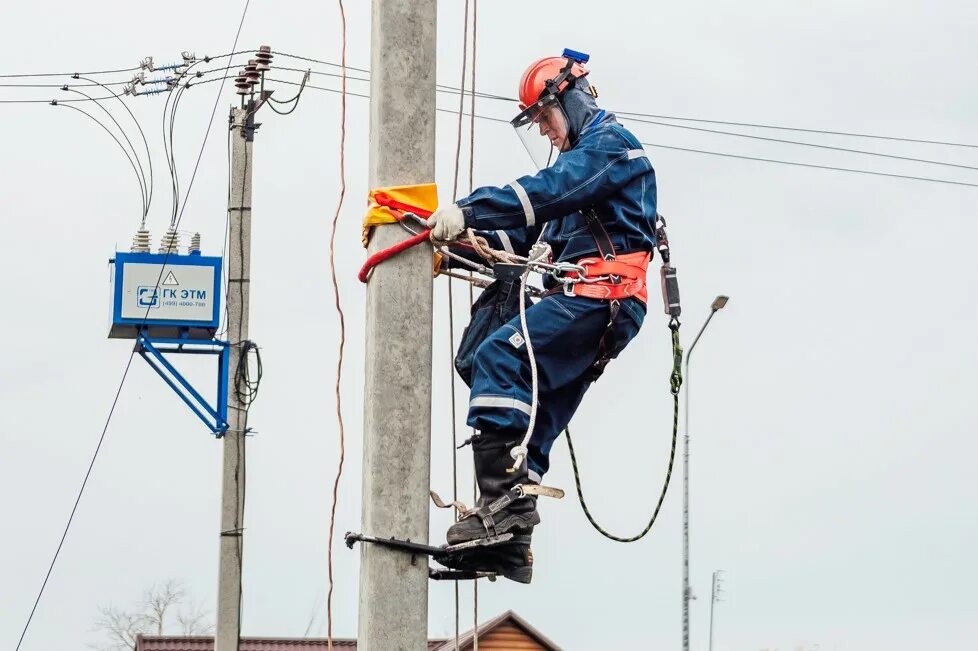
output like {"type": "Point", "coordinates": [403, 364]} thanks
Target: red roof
{"type": "Point", "coordinates": [206, 643]}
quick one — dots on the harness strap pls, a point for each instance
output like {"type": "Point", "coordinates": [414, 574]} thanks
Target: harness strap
{"type": "Point", "coordinates": [606, 249]}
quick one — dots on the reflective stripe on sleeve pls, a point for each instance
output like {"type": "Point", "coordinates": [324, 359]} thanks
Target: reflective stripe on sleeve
{"type": "Point", "coordinates": [500, 402]}
{"type": "Point", "coordinates": [531, 217]}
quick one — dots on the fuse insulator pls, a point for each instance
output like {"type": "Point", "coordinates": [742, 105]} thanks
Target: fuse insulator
{"type": "Point", "coordinates": [140, 241]}
{"type": "Point", "coordinates": [170, 242]}
{"type": "Point", "coordinates": [264, 58]}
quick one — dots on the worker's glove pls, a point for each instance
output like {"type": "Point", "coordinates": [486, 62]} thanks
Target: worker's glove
{"type": "Point", "coordinates": [446, 223]}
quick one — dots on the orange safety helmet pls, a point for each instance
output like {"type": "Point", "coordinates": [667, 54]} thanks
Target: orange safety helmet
{"type": "Point", "coordinates": [551, 75]}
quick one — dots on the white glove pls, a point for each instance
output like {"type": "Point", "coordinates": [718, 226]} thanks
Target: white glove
{"type": "Point", "coordinates": [446, 223]}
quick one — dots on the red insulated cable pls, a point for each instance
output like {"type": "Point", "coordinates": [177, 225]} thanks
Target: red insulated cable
{"type": "Point", "coordinates": [390, 252]}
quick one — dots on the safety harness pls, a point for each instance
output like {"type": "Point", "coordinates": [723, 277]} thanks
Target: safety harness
{"type": "Point", "coordinates": [614, 278]}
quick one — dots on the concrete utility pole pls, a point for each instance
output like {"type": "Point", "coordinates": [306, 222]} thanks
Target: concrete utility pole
{"type": "Point", "coordinates": [397, 394]}
{"type": "Point", "coordinates": [233, 486]}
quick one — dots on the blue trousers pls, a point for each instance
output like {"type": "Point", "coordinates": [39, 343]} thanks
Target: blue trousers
{"type": "Point", "coordinates": [565, 332]}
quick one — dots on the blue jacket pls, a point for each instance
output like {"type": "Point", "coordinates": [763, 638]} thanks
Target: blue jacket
{"type": "Point", "coordinates": [607, 169]}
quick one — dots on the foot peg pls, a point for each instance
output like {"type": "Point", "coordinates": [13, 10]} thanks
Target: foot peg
{"type": "Point", "coordinates": [485, 558]}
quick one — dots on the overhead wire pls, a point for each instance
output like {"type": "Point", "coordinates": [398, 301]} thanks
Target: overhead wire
{"type": "Point", "coordinates": [756, 125]}
{"type": "Point", "coordinates": [804, 144]}
{"type": "Point", "coordinates": [812, 165]}
{"type": "Point", "coordinates": [325, 63]}
{"type": "Point", "coordinates": [143, 183]}
{"type": "Point", "coordinates": [149, 157]}
{"type": "Point", "coordinates": [90, 85]}
{"type": "Point", "coordinates": [68, 74]}
{"type": "Point", "coordinates": [708, 152]}
{"type": "Point", "coordinates": [49, 101]}
{"type": "Point", "coordinates": [121, 146]}
{"type": "Point", "coordinates": [622, 113]}
{"type": "Point", "coordinates": [342, 322]}
{"type": "Point", "coordinates": [293, 100]}
{"type": "Point", "coordinates": [81, 490]}
{"type": "Point", "coordinates": [217, 100]}
{"type": "Point", "coordinates": [679, 118]}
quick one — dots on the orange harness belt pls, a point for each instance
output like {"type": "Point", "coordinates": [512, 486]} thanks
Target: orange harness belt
{"type": "Point", "coordinates": [618, 279]}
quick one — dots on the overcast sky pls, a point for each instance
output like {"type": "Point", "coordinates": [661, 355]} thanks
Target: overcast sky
{"type": "Point", "coordinates": [832, 408]}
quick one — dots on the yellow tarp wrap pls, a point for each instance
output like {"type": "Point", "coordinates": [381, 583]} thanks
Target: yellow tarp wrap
{"type": "Point", "coordinates": [423, 196]}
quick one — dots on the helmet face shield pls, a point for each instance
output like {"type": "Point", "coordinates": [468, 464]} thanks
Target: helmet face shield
{"type": "Point", "coordinates": [543, 130]}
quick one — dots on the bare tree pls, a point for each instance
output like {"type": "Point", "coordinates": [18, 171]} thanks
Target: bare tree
{"type": "Point", "coordinates": [159, 599]}
{"type": "Point", "coordinates": [151, 616]}
{"type": "Point", "coordinates": [120, 628]}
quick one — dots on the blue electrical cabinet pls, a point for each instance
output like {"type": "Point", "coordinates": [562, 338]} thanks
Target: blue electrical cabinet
{"type": "Point", "coordinates": [171, 305]}
{"type": "Point", "coordinates": [165, 295]}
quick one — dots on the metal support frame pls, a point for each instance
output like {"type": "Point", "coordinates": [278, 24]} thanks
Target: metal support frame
{"type": "Point", "coordinates": [152, 349]}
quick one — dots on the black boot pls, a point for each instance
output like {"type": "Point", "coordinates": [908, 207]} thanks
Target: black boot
{"type": "Point", "coordinates": [501, 507]}
{"type": "Point", "coordinates": [512, 559]}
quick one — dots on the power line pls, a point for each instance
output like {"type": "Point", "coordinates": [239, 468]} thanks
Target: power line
{"type": "Point", "coordinates": [51, 101]}
{"type": "Point", "coordinates": [175, 95]}
{"type": "Point", "coordinates": [325, 63]}
{"type": "Point", "coordinates": [805, 144]}
{"type": "Point", "coordinates": [108, 83]}
{"type": "Point", "coordinates": [625, 114]}
{"type": "Point", "coordinates": [820, 167]}
{"type": "Point", "coordinates": [118, 142]}
{"type": "Point", "coordinates": [149, 156]}
{"type": "Point", "coordinates": [81, 490]}
{"type": "Point", "coordinates": [272, 101]}
{"type": "Point", "coordinates": [851, 134]}
{"type": "Point", "coordinates": [633, 114]}
{"type": "Point", "coordinates": [210, 122]}
{"type": "Point", "coordinates": [143, 185]}
{"type": "Point", "coordinates": [702, 151]}
{"type": "Point", "coordinates": [68, 74]}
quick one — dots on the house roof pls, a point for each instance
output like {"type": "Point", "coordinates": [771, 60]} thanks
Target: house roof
{"type": "Point", "coordinates": [206, 643]}
{"type": "Point", "coordinates": [496, 626]}
{"type": "Point", "coordinates": [508, 619]}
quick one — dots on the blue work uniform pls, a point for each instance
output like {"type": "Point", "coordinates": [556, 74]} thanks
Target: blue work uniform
{"type": "Point", "coordinates": [607, 171]}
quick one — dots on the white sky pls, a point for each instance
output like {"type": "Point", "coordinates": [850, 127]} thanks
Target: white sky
{"type": "Point", "coordinates": [833, 434]}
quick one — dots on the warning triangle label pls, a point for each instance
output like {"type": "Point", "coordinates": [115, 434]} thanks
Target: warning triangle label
{"type": "Point", "coordinates": [170, 279]}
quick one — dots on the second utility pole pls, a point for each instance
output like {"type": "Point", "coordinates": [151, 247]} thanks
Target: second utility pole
{"type": "Point", "coordinates": [397, 393]}
{"type": "Point", "coordinates": [239, 290]}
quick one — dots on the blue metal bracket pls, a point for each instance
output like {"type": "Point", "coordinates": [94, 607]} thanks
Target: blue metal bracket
{"type": "Point", "coordinates": [152, 350]}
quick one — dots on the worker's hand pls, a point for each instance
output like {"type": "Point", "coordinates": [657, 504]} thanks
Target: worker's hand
{"type": "Point", "coordinates": [446, 223]}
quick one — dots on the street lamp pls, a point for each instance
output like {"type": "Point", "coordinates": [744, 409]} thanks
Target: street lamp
{"type": "Point", "coordinates": [718, 303]}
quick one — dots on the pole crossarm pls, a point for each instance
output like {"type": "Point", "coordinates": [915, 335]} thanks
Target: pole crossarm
{"type": "Point", "coordinates": [154, 349]}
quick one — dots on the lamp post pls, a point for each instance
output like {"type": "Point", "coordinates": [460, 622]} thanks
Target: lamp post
{"type": "Point", "coordinates": [718, 303]}
{"type": "Point", "coordinates": [717, 591]}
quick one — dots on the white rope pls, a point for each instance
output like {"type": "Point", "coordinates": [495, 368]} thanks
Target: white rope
{"type": "Point", "coordinates": [520, 452]}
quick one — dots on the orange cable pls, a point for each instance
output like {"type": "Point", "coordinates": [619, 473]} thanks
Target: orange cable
{"type": "Point", "coordinates": [475, 496]}
{"type": "Point", "coordinates": [339, 310]}
{"type": "Point", "coordinates": [451, 317]}
{"type": "Point", "coordinates": [461, 100]}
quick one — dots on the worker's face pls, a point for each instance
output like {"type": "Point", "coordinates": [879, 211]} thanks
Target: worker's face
{"type": "Point", "coordinates": [553, 125]}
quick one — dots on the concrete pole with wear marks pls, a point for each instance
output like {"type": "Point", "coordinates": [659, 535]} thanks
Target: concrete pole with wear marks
{"type": "Point", "coordinates": [393, 611]}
